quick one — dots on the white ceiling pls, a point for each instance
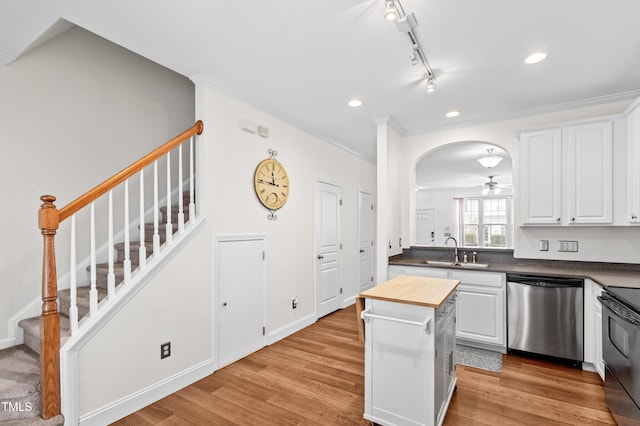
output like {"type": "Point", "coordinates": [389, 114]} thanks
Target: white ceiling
{"type": "Point", "coordinates": [302, 60]}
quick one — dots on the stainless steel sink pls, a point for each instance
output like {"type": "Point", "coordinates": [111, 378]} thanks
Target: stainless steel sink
{"type": "Point", "coordinates": [456, 265]}
{"type": "Point", "coordinates": [438, 263]}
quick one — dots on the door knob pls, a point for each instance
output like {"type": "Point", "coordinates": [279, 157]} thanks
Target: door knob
{"type": "Point", "coordinates": [320, 256]}
{"type": "Point", "coordinates": [224, 304]}
{"type": "Point", "coordinates": [361, 250]}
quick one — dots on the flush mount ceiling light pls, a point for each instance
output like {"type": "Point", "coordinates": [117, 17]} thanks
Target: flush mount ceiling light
{"type": "Point", "coordinates": [452, 114]}
{"type": "Point", "coordinates": [354, 103]}
{"type": "Point", "coordinates": [491, 187]}
{"type": "Point", "coordinates": [534, 58]}
{"type": "Point", "coordinates": [490, 160]}
{"type": "Point", "coordinates": [406, 22]}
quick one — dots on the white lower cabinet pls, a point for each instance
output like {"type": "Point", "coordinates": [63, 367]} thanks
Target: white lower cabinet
{"type": "Point", "coordinates": [481, 309]}
{"type": "Point", "coordinates": [593, 327]}
{"type": "Point", "coordinates": [409, 371]}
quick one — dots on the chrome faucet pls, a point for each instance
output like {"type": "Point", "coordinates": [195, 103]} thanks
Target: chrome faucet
{"type": "Point", "coordinates": [455, 250]}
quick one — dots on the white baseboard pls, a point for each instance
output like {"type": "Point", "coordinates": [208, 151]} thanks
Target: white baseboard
{"type": "Point", "coordinates": [291, 328]}
{"type": "Point", "coordinates": [138, 400]}
{"type": "Point", "coordinates": [348, 301]}
{"type": "Point", "coordinates": [7, 343]}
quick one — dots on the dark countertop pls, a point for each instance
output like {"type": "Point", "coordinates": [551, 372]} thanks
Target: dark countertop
{"type": "Point", "coordinates": [613, 275]}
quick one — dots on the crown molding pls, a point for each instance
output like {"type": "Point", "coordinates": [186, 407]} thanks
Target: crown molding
{"type": "Point", "coordinates": [204, 78]}
{"type": "Point", "coordinates": [6, 59]}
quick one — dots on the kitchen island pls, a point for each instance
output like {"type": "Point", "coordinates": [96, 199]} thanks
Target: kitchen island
{"type": "Point", "coordinates": [408, 326]}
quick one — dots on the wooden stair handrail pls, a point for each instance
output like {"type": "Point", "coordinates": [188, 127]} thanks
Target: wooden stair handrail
{"type": "Point", "coordinates": [126, 173]}
{"type": "Point", "coordinates": [49, 218]}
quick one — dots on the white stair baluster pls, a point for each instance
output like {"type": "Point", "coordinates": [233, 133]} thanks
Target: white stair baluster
{"type": "Point", "coordinates": [142, 250]}
{"type": "Point", "coordinates": [93, 292]}
{"type": "Point", "coordinates": [111, 276]}
{"type": "Point", "coordinates": [192, 205]}
{"type": "Point", "coordinates": [180, 202]}
{"type": "Point", "coordinates": [73, 308]}
{"type": "Point", "coordinates": [169, 227]}
{"type": "Point", "coordinates": [156, 235]}
{"type": "Point", "coordinates": [127, 242]}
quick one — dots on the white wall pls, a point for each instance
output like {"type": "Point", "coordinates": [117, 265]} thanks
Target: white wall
{"type": "Point", "coordinates": [74, 111]}
{"type": "Point", "coordinates": [228, 158]}
{"type": "Point", "coordinates": [608, 244]}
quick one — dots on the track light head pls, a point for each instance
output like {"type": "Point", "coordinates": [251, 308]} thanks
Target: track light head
{"type": "Point", "coordinates": [390, 11]}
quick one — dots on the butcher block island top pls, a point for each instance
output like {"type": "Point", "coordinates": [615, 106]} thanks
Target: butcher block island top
{"type": "Point", "coordinates": [422, 291]}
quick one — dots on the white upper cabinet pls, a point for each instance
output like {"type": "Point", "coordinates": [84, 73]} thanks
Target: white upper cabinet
{"type": "Point", "coordinates": [633, 164]}
{"type": "Point", "coordinates": [541, 177]}
{"type": "Point", "coordinates": [566, 175]}
{"type": "Point", "coordinates": [588, 163]}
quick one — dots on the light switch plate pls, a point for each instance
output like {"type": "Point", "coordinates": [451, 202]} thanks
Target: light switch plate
{"type": "Point", "coordinates": [544, 245]}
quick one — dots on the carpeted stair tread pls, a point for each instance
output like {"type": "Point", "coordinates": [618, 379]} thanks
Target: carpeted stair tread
{"type": "Point", "coordinates": [19, 384]}
{"type": "Point", "coordinates": [31, 327]}
{"type": "Point", "coordinates": [82, 300]}
{"type": "Point", "coordinates": [134, 251]}
{"type": "Point", "coordinates": [174, 213]}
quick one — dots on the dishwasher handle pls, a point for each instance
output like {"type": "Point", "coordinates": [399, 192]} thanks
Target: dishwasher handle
{"type": "Point", "coordinates": [546, 282]}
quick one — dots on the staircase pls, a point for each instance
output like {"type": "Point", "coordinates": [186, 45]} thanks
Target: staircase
{"type": "Point", "coordinates": [19, 366]}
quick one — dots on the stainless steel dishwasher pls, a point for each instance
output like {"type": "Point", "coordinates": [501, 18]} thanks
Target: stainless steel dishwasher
{"type": "Point", "coordinates": [545, 317]}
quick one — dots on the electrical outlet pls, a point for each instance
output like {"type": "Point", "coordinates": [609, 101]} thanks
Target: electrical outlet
{"type": "Point", "coordinates": [165, 350]}
{"type": "Point", "coordinates": [294, 303]}
{"type": "Point", "coordinates": [568, 246]}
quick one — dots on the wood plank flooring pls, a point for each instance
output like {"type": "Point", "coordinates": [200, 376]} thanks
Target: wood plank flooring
{"type": "Point", "coordinates": [315, 377]}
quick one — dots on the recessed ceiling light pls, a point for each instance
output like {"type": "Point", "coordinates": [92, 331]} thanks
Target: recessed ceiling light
{"type": "Point", "coordinates": [354, 103]}
{"type": "Point", "coordinates": [452, 114]}
{"type": "Point", "coordinates": [534, 58]}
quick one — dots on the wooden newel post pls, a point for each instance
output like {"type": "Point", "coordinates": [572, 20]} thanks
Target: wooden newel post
{"type": "Point", "coordinates": [48, 221]}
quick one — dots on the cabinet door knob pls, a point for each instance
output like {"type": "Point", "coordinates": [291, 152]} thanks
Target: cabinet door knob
{"type": "Point", "coordinates": [320, 256]}
{"type": "Point", "coordinates": [558, 219]}
{"type": "Point", "coordinates": [224, 304]}
{"type": "Point", "coordinates": [573, 219]}
{"type": "Point", "coordinates": [361, 250]}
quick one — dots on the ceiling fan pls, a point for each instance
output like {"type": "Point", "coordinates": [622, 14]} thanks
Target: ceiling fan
{"type": "Point", "coordinates": [492, 187]}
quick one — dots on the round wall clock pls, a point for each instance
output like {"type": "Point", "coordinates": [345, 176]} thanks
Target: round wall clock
{"type": "Point", "coordinates": [271, 183]}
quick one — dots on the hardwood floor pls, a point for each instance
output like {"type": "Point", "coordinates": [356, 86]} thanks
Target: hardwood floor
{"type": "Point", "coordinates": [315, 377]}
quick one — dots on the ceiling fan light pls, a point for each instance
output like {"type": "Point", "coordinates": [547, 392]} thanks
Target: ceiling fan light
{"type": "Point", "coordinates": [485, 190]}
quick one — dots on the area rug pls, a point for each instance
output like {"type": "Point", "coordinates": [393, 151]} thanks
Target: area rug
{"type": "Point", "coordinates": [479, 358]}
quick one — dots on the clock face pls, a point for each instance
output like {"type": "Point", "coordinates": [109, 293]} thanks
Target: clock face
{"type": "Point", "coordinates": [271, 183]}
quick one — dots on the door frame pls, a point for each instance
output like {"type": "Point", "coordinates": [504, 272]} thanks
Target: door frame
{"type": "Point", "coordinates": [217, 240]}
{"type": "Point", "coordinates": [316, 184]}
{"type": "Point", "coordinates": [362, 191]}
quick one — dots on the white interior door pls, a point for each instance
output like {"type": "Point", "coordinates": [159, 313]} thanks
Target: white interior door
{"type": "Point", "coordinates": [365, 240]}
{"type": "Point", "coordinates": [328, 244]}
{"type": "Point", "coordinates": [240, 283]}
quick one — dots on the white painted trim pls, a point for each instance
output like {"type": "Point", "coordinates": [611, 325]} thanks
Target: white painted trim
{"type": "Point", "coordinates": [289, 329]}
{"type": "Point", "coordinates": [217, 239]}
{"type": "Point", "coordinates": [7, 343]}
{"type": "Point", "coordinates": [134, 402]}
{"type": "Point", "coordinates": [206, 78]}
{"type": "Point", "coordinates": [349, 301]}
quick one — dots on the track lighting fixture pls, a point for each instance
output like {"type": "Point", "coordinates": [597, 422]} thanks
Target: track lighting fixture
{"type": "Point", "coordinates": [406, 22]}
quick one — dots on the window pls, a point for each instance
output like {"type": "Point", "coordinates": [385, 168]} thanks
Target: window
{"type": "Point", "coordinates": [485, 222]}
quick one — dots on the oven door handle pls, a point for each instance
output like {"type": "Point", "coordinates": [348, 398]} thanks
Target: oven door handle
{"type": "Point", "coordinates": [620, 310]}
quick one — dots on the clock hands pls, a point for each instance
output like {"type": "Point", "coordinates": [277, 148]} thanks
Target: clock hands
{"type": "Point", "coordinates": [269, 183]}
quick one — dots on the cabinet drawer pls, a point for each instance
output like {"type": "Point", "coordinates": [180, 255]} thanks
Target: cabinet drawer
{"type": "Point", "coordinates": [489, 279]}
